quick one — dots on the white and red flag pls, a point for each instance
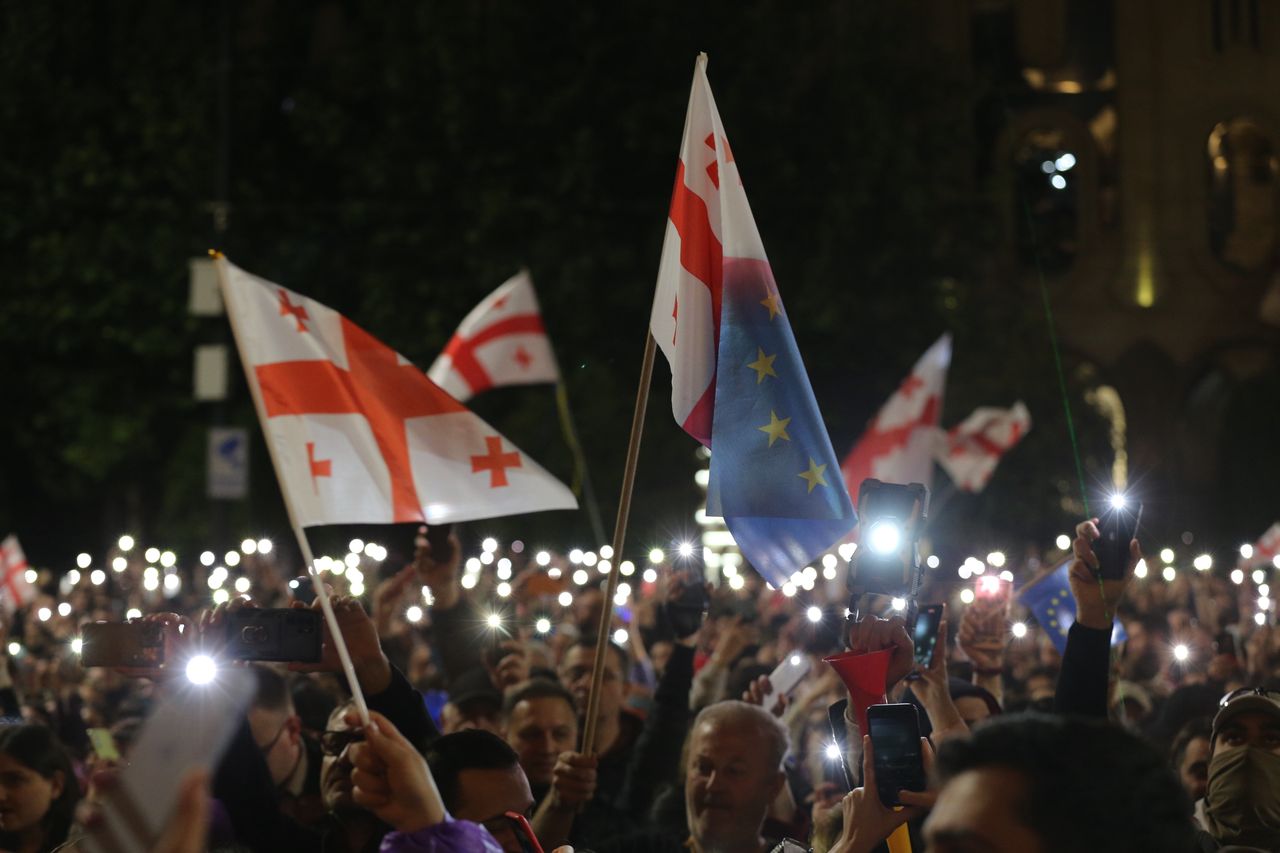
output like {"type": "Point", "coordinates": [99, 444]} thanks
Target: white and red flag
{"type": "Point", "coordinates": [974, 446]}
{"type": "Point", "coordinates": [900, 444]}
{"type": "Point", "coordinates": [360, 435]}
{"type": "Point", "coordinates": [501, 342]}
{"type": "Point", "coordinates": [15, 589]}
{"type": "Point", "coordinates": [1266, 549]}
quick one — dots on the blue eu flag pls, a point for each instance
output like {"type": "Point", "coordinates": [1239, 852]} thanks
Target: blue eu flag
{"type": "Point", "coordinates": [1054, 607]}
{"type": "Point", "coordinates": [774, 476]}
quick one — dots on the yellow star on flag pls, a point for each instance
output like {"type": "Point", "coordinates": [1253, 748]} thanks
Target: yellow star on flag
{"type": "Point", "coordinates": [814, 475]}
{"type": "Point", "coordinates": [777, 429]}
{"type": "Point", "coordinates": [763, 365]}
{"type": "Point", "coordinates": [771, 302]}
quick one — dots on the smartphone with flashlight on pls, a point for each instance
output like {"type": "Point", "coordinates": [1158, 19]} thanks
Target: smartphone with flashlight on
{"type": "Point", "coordinates": [836, 768]}
{"type": "Point", "coordinates": [788, 674]}
{"type": "Point", "coordinates": [895, 742]}
{"type": "Point", "coordinates": [1117, 527]}
{"type": "Point", "coordinates": [123, 644]}
{"type": "Point", "coordinates": [991, 588]}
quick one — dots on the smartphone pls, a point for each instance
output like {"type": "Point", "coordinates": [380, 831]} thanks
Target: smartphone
{"type": "Point", "coordinates": [991, 588]}
{"type": "Point", "coordinates": [895, 740]}
{"type": "Point", "coordinates": [523, 832]}
{"type": "Point", "coordinates": [104, 745]}
{"type": "Point", "coordinates": [686, 613]}
{"type": "Point", "coordinates": [125, 644]}
{"type": "Point", "coordinates": [1117, 527]}
{"type": "Point", "coordinates": [189, 730]}
{"type": "Point", "coordinates": [926, 633]}
{"type": "Point", "coordinates": [788, 674]}
{"type": "Point", "coordinates": [282, 635]}
{"type": "Point", "coordinates": [838, 769]}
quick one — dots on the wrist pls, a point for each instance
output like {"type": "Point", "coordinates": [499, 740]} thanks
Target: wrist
{"type": "Point", "coordinates": [1095, 618]}
{"type": "Point", "coordinates": [374, 674]}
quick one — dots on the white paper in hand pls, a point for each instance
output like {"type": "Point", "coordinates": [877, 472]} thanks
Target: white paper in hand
{"type": "Point", "coordinates": [189, 730]}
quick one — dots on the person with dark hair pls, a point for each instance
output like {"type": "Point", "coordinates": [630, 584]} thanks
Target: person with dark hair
{"type": "Point", "coordinates": [1042, 784]}
{"type": "Point", "coordinates": [292, 759]}
{"type": "Point", "coordinates": [1189, 756]}
{"type": "Point", "coordinates": [474, 703]}
{"type": "Point", "coordinates": [38, 790]}
{"type": "Point", "coordinates": [480, 780]}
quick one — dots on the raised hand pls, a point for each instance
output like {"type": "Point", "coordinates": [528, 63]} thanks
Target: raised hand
{"type": "Point", "coordinates": [759, 690]}
{"type": "Point", "coordinates": [1096, 600]}
{"type": "Point", "coordinates": [872, 634]}
{"type": "Point", "coordinates": [372, 667]}
{"type": "Point", "coordinates": [391, 779]}
{"type": "Point", "coordinates": [437, 568]}
{"type": "Point", "coordinates": [573, 781]}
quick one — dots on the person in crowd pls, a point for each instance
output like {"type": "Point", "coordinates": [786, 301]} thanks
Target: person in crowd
{"type": "Point", "coordinates": [1241, 805]}
{"type": "Point", "coordinates": [1189, 756]}
{"type": "Point", "coordinates": [480, 779]}
{"type": "Point", "coordinates": [292, 759]}
{"type": "Point", "coordinates": [1037, 784]}
{"type": "Point", "coordinates": [38, 790]}
{"type": "Point", "coordinates": [474, 703]}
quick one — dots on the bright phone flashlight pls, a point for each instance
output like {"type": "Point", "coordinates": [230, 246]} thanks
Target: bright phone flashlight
{"type": "Point", "coordinates": [1181, 652]}
{"type": "Point", "coordinates": [1119, 501]}
{"type": "Point", "coordinates": [885, 537]}
{"type": "Point", "coordinates": [833, 752]}
{"type": "Point", "coordinates": [201, 669]}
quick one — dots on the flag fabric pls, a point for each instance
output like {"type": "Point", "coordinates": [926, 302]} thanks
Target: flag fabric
{"type": "Point", "coordinates": [1266, 548]}
{"type": "Point", "coordinates": [1050, 600]}
{"type": "Point", "coordinates": [501, 342]}
{"type": "Point", "coordinates": [15, 589]}
{"type": "Point", "coordinates": [360, 435]}
{"type": "Point", "coordinates": [974, 446]}
{"type": "Point", "coordinates": [900, 444]}
{"type": "Point", "coordinates": [738, 384]}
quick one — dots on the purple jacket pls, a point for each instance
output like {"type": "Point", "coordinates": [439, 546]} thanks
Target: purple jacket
{"type": "Point", "coordinates": [452, 836]}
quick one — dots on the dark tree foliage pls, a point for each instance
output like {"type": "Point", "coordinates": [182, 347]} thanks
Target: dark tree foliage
{"type": "Point", "coordinates": [399, 160]}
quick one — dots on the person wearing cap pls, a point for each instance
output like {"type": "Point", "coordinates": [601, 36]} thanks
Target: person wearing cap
{"type": "Point", "coordinates": [1241, 805]}
{"type": "Point", "coordinates": [474, 703]}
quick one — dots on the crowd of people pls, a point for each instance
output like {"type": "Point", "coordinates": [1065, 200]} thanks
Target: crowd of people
{"type": "Point", "coordinates": [478, 678]}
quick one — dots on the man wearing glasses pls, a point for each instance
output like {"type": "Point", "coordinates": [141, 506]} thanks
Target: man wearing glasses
{"type": "Point", "coordinates": [1242, 801]}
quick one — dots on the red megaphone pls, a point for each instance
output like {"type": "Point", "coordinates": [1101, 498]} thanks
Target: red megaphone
{"type": "Point", "coordinates": [863, 674]}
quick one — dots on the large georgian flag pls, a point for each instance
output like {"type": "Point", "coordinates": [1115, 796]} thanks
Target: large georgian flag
{"type": "Point", "coordinates": [900, 444]}
{"type": "Point", "coordinates": [15, 589]}
{"type": "Point", "coordinates": [501, 342]}
{"type": "Point", "coordinates": [973, 447]}
{"type": "Point", "coordinates": [738, 384]}
{"type": "Point", "coordinates": [358, 433]}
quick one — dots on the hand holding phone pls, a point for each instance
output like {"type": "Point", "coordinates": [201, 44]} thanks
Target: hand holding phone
{"type": "Point", "coordinates": [926, 634]}
{"type": "Point", "coordinates": [1117, 527]}
{"type": "Point", "coordinates": [786, 677]}
{"type": "Point", "coordinates": [897, 756]}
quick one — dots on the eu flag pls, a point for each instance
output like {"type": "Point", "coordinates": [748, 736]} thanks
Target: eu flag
{"type": "Point", "coordinates": [737, 382]}
{"type": "Point", "coordinates": [1054, 607]}
{"type": "Point", "coordinates": [774, 476]}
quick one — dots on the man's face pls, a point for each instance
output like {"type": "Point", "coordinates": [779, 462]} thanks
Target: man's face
{"type": "Point", "coordinates": [335, 770]}
{"type": "Point", "coordinates": [729, 783]}
{"type": "Point", "coordinates": [575, 673]}
{"type": "Point", "coordinates": [484, 796]}
{"type": "Point", "coordinates": [539, 730]}
{"type": "Point", "coordinates": [279, 737]}
{"type": "Point", "coordinates": [1250, 729]}
{"type": "Point", "coordinates": [977, 812]}
{"type": "Point", "coordinates": [1193, 771]}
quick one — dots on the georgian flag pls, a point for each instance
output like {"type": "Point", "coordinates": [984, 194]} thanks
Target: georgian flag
{"type": "Point", "coordinates": [358, 434]}
{"type": "Point", "coordinates": [15, 589]}
{"type": "Point", "coordinates": [501, 342]}
{"type": "Point", "coordinates": [900, 444]}
{"type": "Point", "coordinates": [974, 446]}
{"type": "Point", "coordinates": [1266, 549]}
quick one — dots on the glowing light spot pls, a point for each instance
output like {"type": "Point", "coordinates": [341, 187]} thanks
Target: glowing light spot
{"type": "Point", "coordinates": [542, 626]}
{"type": "Point", "coordinates": [656, 556]}
{"type": "Point", "coordinates": [125, 543]}
{"type": "Point", "coordinates": [231, 558]}
{"type": "Point", "coordinates": [413, 613]}
{"type": "Point", "coordinates": [1181, 652]}
{"type": "Point", "coordinates": [814, 614]}
{"type": "Point", "coordinates": [1019, 629]}
{"type": "Point", "coordinates": [543, 558]}
{"type": "Point", "coordinates": [84, 561]}
{"type": "Point", "coordinates": [201, 669]}
{"type": "Point", "coordinates": [966, 595]}
{"type": "Point", "coordinates": [1063, 542]}
{"type": "Point", "coordinates": [565, 599]}
{"type": "Point", "coordinates": [151, 554]}
{"type": "Point", "coordinates": [996, 558]}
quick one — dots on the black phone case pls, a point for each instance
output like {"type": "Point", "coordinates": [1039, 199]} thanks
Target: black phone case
{"type": "Point", "coordinates": [894, 774]}
{"type": "Point", "coordinates": [283, 635]}
{"type": "Point", "coordinates": [1116, 529]}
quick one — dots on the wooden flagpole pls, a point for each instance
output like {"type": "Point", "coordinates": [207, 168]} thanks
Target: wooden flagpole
{"type": "Point", "coordinates": [619, 539]}
{"type": "Point", "coordinates": [322, 594]}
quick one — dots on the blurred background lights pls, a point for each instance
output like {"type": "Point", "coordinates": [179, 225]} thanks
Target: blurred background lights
{"type": "Point", "coordinates": [1019, 629]}
{"type": "Point", "coordinates": [656, 555]}
{"type": "Point", "coordinates": [1169, 573]}
{"type": "Point", "coordinates": [565, 599]}
{"type": "Point", "coordinates": [84, 561]}
{"type": "Point", "coordinates": [125, 542]}
{"type": "Point", "coordinates": [151, 554]}
{"type": "Point", "coordinates": [249, 546]}
{"type": "Point", "coordinates": [119, 564]}
{"type": "Point", "coordinates": [1063, 542]}
{"type": "Point", "coordinates": [231, 558]}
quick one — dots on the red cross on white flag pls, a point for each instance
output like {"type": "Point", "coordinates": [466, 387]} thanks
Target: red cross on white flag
{"type": "Point", "coordinates": [501, 342]}
{"type": "Point", "coordinates": [15, 589]}
{"type": "Point", "coordinates": [899, 445]}
{"type": "Point", "coordinates": [1266, 549]}
{"type": "Point", "coordinates": [975, 445]}
{"type": "Point", "coordinates": [360, 435]}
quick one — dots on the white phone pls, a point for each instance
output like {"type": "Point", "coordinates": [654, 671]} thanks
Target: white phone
{"type": "Point", "coordinates": [189, 730]}
{"type": "Point", "coordinates": [789, 673]}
